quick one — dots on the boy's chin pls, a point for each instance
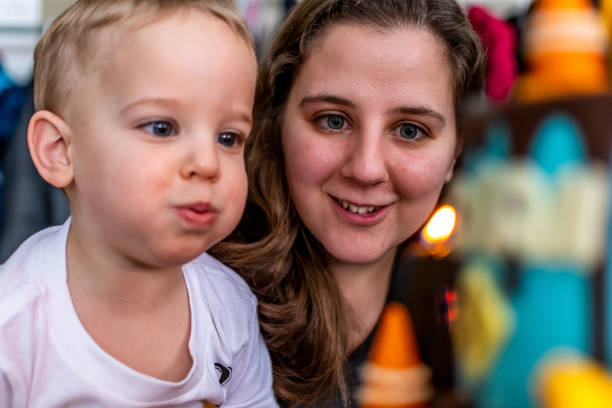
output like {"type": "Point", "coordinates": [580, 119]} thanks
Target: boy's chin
{"type": "Point", "coordinates": [166, 258]}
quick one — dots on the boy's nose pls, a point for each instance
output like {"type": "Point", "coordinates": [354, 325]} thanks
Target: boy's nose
{"type": "Point", "coordinates": [365, 161]}
{"type": "Point", "coordinates": [201, 161]}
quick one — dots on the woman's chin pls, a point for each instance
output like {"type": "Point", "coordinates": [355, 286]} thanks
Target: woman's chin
{"type": "Point", "coordinates": [359, 255]}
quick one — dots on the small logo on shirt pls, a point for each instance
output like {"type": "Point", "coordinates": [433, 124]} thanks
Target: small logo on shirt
{"type": "Point", "coordinates": [225, 373]}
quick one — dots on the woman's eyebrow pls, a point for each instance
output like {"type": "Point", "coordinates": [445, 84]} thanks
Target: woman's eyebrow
{"type": "Point", "coordinates": [421, 111]}
{"type": "Point", "coordinates": [333, 99]}
{"type": "Point", "coordinates": [409, 110]}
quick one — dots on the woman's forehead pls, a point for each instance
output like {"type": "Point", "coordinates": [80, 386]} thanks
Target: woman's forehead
{"type": "Point", "coordinates": [364, 64]}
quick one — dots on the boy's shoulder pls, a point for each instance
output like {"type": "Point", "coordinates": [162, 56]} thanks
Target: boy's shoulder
{"type": "Point", "coordinates": [223, 278]}
{"type": "Point", "coordinates": [23, 290]}
{"type": "Point", "coordinates": [32, 259]}
{"type": "Point", "coordinates": [226, 297]}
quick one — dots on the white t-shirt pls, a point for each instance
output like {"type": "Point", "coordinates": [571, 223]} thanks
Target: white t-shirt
{"type": "Point", "coordinates": [47, 358]}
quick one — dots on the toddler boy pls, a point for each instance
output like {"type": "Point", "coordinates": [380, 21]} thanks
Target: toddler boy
{"type": "Point", "coordinates": [143, 108]}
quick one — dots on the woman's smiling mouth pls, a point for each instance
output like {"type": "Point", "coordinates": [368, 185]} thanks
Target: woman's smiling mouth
{"type": "Point", "coordinates": [357, 209]}
{"type": "Point", "coordinates": [362, 210]}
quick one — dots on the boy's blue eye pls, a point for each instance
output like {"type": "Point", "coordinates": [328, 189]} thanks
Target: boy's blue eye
{"type": "Point", "coordinates": [161, 128]}
{"type": "Point", "coordinates": [227, 139]}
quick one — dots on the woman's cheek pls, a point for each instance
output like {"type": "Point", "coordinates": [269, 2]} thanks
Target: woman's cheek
{"type": "Point", "coordinates": [421, 175]}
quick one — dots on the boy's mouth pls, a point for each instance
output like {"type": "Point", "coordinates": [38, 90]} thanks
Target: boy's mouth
{"type": "Point", "coordinates": [199, 215]}
{"type": "Point", "coordinates": [199, 207]}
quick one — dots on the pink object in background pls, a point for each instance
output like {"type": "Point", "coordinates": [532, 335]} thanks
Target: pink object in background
{"type": "Point", "coordinates": [499, 40]}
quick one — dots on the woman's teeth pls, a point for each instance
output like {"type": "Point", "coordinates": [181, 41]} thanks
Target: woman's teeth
{"type": "Point", "coordinates": [355, 209]}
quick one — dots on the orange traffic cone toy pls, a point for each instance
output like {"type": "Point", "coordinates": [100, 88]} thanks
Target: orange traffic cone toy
{"type": "Point", "coordinates": [565, 47]}
{"type": "Point", "coordinates": [394, 375]}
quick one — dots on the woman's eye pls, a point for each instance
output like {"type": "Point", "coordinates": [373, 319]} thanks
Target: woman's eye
{"type": "Point", "coordinates": [332, 122]}
{"type": "Point", "coordinates": [335, 122]}
{"type": "Point", "coordinates": [408, 131]}
{"type": "Point", "coordinates": [161, 128]}
{"type": "Point", "coordinates": [228, 139]}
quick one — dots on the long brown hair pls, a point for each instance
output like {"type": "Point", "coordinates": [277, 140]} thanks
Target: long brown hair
{"type": "Point", "coordinates": [301, 312]}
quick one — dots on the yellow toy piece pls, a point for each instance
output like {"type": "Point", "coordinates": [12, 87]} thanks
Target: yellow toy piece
{"type": "Point", "coordinates": [485, 321]}
{"type": "Point", "coordinates": [573, 382]}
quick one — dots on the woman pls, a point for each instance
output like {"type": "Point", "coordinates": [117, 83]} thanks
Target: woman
{"type": "Point", "coordinates": [354, 137]}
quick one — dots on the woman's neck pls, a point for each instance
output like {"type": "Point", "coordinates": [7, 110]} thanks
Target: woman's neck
{"type": "Point", "coordinates": [364, 288]}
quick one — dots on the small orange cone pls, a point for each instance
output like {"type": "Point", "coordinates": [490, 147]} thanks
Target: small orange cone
{"type": "Point", "coordinates": [394, 375]}
{"type": "Point", "coordinates": [208, 405]}
{"type": "Point", "coordinates": [565, 47]}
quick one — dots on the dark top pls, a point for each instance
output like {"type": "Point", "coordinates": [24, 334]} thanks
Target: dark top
{"type": "Point", "coordinates": [353, 377]}
{"type": "Point", "coordinates": [426, 286]}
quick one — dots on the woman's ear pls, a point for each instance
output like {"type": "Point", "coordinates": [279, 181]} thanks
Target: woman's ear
{"type": "Point", "coordinates": [450, 171]}
{"type": "Point", "coordinates": [458, 150]}
{"type": "Point", "coordinates": [459, 146]}
{"type": "Point", "coordinates": [49, 138]}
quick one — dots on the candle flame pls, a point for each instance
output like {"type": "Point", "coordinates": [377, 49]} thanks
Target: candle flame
{"type": "Point", "coordinates": [440, 226]}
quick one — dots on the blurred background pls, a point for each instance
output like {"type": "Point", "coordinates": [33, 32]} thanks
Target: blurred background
{"type": "Point", "coordinates": [26, 203]}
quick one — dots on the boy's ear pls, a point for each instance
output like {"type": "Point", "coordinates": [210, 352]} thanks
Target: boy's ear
{"type": "Point", "coordinates": [49, 138]}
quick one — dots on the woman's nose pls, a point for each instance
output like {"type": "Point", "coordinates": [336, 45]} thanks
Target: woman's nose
{"type": "Point", "coordinates": [365, 161]}
{"type": "Point", "coordinates": [201, 160]}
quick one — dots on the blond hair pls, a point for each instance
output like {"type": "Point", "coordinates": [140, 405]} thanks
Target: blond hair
{"type": "Point", "coordinates": [68, 46]}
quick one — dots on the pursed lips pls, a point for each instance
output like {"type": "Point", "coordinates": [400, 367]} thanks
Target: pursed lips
{"type": "Point", "coordinates": [198, 214]}
{"type": "Point", "coordinates": [198, 207]}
